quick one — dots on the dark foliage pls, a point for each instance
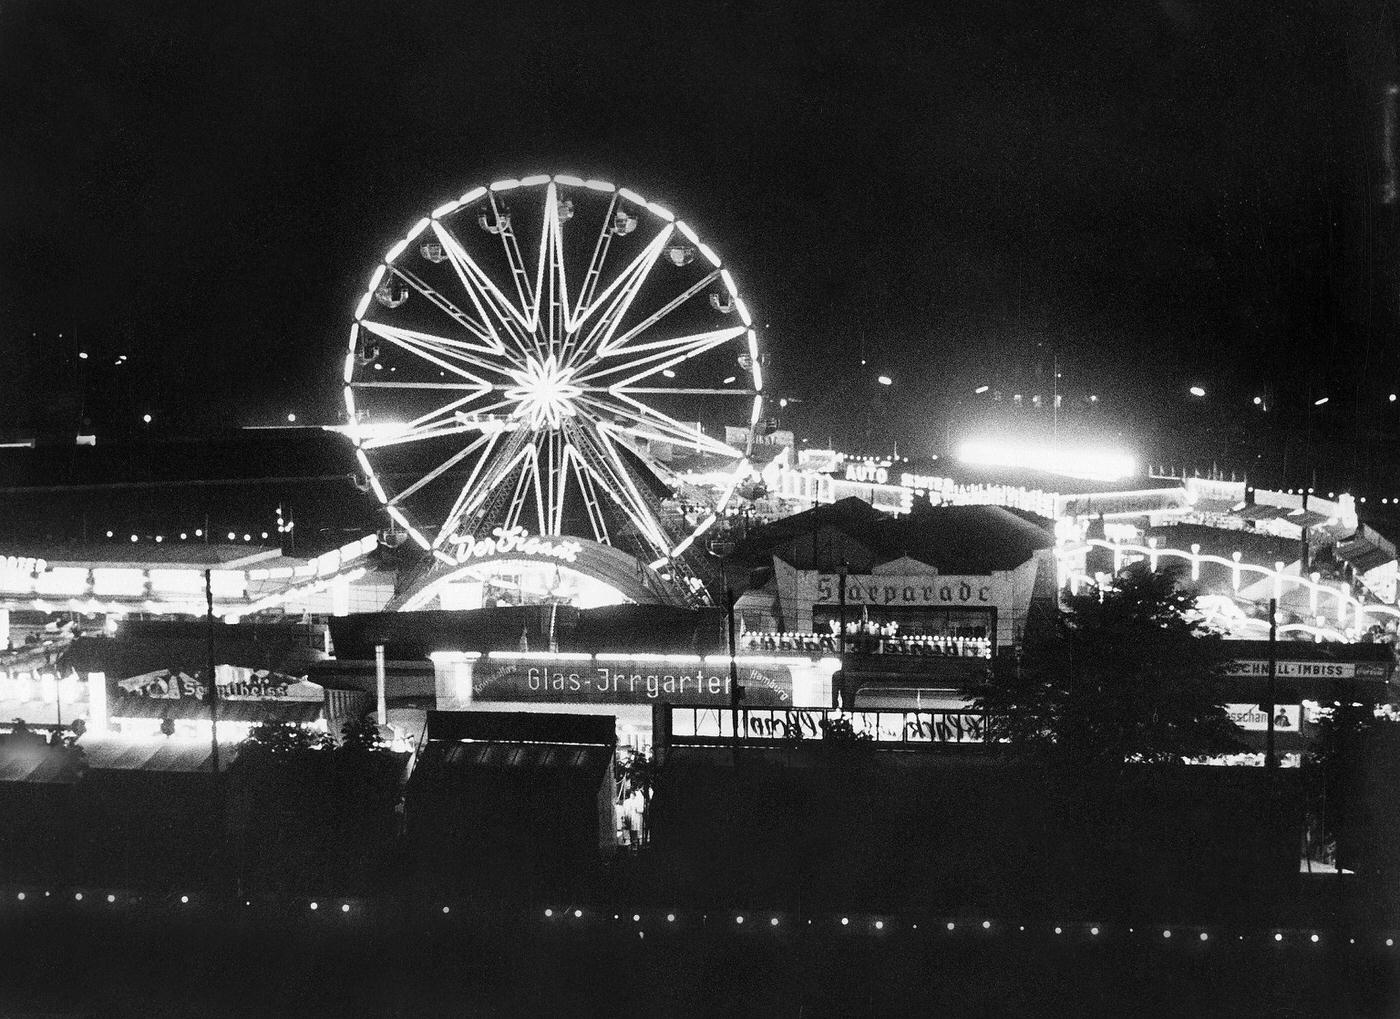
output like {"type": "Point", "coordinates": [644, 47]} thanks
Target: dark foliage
{"type": "Point", "coordinates": [838, 729]}
{"type": "Point", "coordinates": [284, 738]}
{"type": "Point", "coordinates": [361, 735]}
{"type": "Point", "coordinates": [1122, 674]}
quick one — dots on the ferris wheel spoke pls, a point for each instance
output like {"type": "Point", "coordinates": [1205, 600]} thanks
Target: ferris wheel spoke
{"type": "Point", "coordinates": [415, 385]}
{"type": "Point", "coordinates": [440, 469]}
{"type": "Point", "coordinates": [484, 293]}
{"type": "Point", "coordinates": [595, 266]}
{"type": "Point", "coordinates": [496, 476]}
{"type": "Point", "coordinates": [656, 316]}
{"type": "Point", "coordinates": [433, 418]}
{"type": "Point", "coordinates": [641, 513]}
{"type": "Point", "coordinates": [400, 438]}
{"type": "Point", "coordinates": [551, 285]}
{"type": "Point", "coordinates": [670, 390]}
{"type": "Point", "coordinates": [399, 339]}
{"type": "Point", "coordinates": [635, 414]}
{"type": "Point", "coordinates": [432, 347]}
{"type": "Point", "coordinates": [556, 477]}
{"type": "Point", "coordinates": [674, 342]}
{"type": "Point", "coordinates": [669, 354]}
{"type": "Point", "coordinates": [449, 523]}
{"type": "Point", "coordinates": [573, 443]}
{"type": "Point", "coordinates": [611, 305]}
{"type": "Point", "coordinates": [471, 325]}
{"type": "Point", "coordinates": [525, 481]}
{"type": "Point", "coordinates": [598, 464]}
{"type": "Point", "coordinates": [583, 480]}
{"type": "Point", "coordinates": [517, 264]}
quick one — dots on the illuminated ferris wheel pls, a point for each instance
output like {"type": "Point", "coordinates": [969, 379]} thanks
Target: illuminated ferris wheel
{"type": "Point", "coordinates": [553, 354]}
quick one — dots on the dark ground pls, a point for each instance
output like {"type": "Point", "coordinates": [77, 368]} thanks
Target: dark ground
{"type": "Point", "coordinates": [156, 960]}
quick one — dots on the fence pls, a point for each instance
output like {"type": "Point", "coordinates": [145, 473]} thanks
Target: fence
{"type": "Point", "coordinates": [698, 726]}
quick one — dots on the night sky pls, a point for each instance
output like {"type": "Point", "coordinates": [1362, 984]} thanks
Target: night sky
{"type": "Point", "coordinates": [1154, 194]}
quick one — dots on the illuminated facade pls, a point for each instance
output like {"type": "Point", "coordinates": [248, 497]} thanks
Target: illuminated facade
{"type": "Point", "coordinates": [513, 568]}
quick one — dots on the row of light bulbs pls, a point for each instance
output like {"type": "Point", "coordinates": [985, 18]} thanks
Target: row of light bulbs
{"type": "Point", "coordinates": [1277, 935]}
{"type": "Point", "coordinates": [198, 533]}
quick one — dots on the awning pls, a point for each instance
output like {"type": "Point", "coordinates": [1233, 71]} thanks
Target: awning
{"type": "Point", "coordinates": [541, 758]}
{"type": "Point", "coordinates": [190, 709]}
{"type": "Point", "coordinates": [135, 656]}
{"type": "Point", "coordinates": [160, 754]}
{"type": "Point", "coordinates": [28, 759]}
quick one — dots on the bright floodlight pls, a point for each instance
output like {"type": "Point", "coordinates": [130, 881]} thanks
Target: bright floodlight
{"type": "Point", "coordinates": [1258, 400]}
{"type": "Point", "coordinates": [1197, 391]}
{"type": "Point", "coordinates": [885, 380]}
{"type": "Point", "coordinates": [1092, 464]}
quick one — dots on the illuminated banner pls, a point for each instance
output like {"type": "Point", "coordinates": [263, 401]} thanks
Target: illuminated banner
{"type": "Point", "coordinates": [513, 542]}
{"type": "Point", "coordinates": [1252, 717]}
{"type": "Point", "coordinates": [918, 589]}
{"type": "Point", "coordinates": [1294, 670]}
{"type": "Point", "coordinates": [235, 684]}
{"type": "Point", "coordinates": [626, 682]}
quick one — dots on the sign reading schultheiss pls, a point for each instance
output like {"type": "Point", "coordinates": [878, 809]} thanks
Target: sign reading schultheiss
{"type": "Point", "coordinates": [235, 684]}
{"type": "Point", "coordinates": [627, 681]}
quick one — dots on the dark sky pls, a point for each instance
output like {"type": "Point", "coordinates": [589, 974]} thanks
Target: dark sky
{"type": "Point", "coordinates": [1159, 193]}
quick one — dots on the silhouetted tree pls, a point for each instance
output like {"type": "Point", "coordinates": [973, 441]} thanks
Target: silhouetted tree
{"type": "Point", "coordinates": [361, 734]}
{"type": "Point", "coordinates": [1122, 674]}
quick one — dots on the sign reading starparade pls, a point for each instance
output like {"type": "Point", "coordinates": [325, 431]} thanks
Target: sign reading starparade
{"type": "Point", "coordinates": [514, 541]}
{"type": "Point", "coordinates": [918, 589]}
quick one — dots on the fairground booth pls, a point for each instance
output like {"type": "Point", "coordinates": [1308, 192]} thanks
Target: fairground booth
{"type": "Point", "coordinates": [918, 604]}
{"type": "Point", "coordinates": [1309, 678]}
{"type": "Point", "coordinates": [114, 633]}
{"type": "Point", "coordinates": [620, 661]}
{"type": "Point", "coordinates": [151, 680]}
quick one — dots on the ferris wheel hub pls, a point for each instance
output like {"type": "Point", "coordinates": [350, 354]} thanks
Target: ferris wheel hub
{"type": "Point", "coordinates": [544, 392]}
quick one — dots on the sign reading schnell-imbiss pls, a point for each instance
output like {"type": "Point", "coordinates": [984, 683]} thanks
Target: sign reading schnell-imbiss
{"type": "Point", "coordinates": [1307, 670]}
{"type": "Point", "coordinates": [627, 682]}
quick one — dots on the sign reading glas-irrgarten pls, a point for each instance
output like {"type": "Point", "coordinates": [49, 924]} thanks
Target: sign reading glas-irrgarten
{"type": "Point", "coordinates": [627, 681]}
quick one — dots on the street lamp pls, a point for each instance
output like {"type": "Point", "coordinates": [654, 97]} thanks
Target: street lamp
{"type": "Point", "coordinates": [1197, 391]}
{"type": "Point", "coordinates": [885, 380]}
